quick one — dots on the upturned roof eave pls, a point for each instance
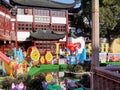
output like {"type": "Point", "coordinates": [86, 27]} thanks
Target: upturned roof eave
{"type": "Point", "coordinates": [9, 6]}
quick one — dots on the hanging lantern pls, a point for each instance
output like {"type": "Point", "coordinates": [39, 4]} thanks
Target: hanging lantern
{"type": "Point", "coordinates": [4, 42]}
{"type": "Point", "coordinates": [9, 42]}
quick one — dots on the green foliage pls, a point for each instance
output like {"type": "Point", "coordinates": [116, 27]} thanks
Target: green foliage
{"type": "Point", "coordinates": [23, 78]}
{"type": "Point", "coordinates": [7, 82]}
{"type": "Point", "coordinates": [34, 83]}
{"type": "Point", "coordinates": [109, 17]}
{"type": "Point", "coordinates": [84, 13]}
{"type": "Point", "coordinates": [79, 68]}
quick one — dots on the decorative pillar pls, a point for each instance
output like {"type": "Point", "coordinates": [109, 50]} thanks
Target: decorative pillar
{"type": "Point", "coordinates": [57, 52]}
{"type": "Point", "coordinates": [33, 23]}
{"type": "Point", "coordinates": [57, 59]}
{"type": "Point", "coordinates": [67, 29]}
{"type": "Point", "coordinates": [16, 29]}
{"type": "Point", "coordinates": [95, 40]}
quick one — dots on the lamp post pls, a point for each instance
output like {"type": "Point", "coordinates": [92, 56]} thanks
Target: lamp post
{"type": "Point", "coordinates": [95, 40]}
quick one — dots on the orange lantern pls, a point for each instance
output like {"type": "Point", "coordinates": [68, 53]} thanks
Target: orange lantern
{"type": "Point", "coordinates": [24, 67]}
{"type": "Point", "coordinates": [32, 54]}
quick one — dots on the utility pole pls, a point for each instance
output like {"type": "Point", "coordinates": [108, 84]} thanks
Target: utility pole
{"type": "Point", "coordinates": [95, 40]}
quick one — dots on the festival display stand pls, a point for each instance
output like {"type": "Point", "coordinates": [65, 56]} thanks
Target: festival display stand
{"type": "Point", "coordinates": [47, 64]}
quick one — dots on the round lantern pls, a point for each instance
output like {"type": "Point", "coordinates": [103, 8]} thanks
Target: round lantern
{"type": "Point", "coordinates": [48, 57]}
{"type": "Point", "coordinates": [35, 55]}
{"type": "Point", "coordinates": [49, 77]}
{"type": "Point", "coordinates": [42, 60]}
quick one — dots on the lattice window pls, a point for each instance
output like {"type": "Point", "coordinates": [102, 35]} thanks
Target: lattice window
{"type": "Point", "coordinates": [7, 24]}
{"type": "Point", "coordinates": [59, 28]}
{"type": "Point", "coordinates": [59, 13]}
{"type": "Point", "coordinates": [24, 26]}
{"type": "Point", "coordinates": [46, 45]}
{"type": "Point", "coordinates": [42, 12]}
{"type": "Point", "coordinates": [62, 46]}
{"type": "Point", "coordinates": [42, 26]}
{"type": "Point", "coordinates": [24, 11]}
{"type": "Point", "coordinates": [20, 11]}
{"type": "Point", "coordinates": [1, 22]}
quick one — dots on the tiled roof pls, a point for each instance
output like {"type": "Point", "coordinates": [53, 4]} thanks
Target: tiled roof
{"type": "Point", "coordinates": [43, 3]}
{"type": "Point", "coordinates": [46, 35]}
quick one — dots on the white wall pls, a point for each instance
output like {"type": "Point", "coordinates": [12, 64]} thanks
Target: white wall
{"type": "Point", "coordinates": [25, 18]}
{"type": "Point", "coordinates": [1, 13]}
{"type": "Point", "coordinates": [64, 39]}
{"type": "Point", "coordinates": [42, 19]}
{"type": "Point", "coordinates": [6, 15]}
{"type": "Point", "coordinates": [22, 36]}
{"type": "Point", "coordinates": [59, 20]}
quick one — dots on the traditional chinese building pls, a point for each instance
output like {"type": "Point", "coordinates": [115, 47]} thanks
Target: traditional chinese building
{"type": "Point", "coordinates": [42, 23]}
{"type": "Point", "coordinates": [7, 28]}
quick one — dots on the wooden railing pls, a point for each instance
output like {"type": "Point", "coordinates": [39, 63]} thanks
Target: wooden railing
{"type": "Point", "coordinates": [107, 78]}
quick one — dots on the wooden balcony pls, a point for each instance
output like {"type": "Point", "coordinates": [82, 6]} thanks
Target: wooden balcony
{"type": "Point", "coordinates": [107, 78]}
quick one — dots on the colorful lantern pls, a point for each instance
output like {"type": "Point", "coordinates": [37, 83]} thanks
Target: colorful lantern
{"type": "Point", "coordinates": [48, 57]}
{"type": "Point", "coordinates": [42, 60]}
{"type": "Point", "coordinates": [49, 77]}
{"type": "Point", "coordinates": [35, 55]}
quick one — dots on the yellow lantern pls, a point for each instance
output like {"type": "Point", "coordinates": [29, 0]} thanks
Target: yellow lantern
{"type": "Point", "coordinates": [49, 77]}
{"type": "Point", "coordinates": [35, 55]}
{"type": "Point", "coordinates": [48, 57]}
{"type": "Point", "coordinates": [57, 48]}
{"type": "Point", "coordinates": [32, 53]}
{"type": "Point", "coordinates": [89, 48]}
{"type": "Point", "coordinates": [42, 60]}
{"type": "Point", "coordinates": [102, 47]}
{"type": "Point", "coordinates": [106, 47]}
